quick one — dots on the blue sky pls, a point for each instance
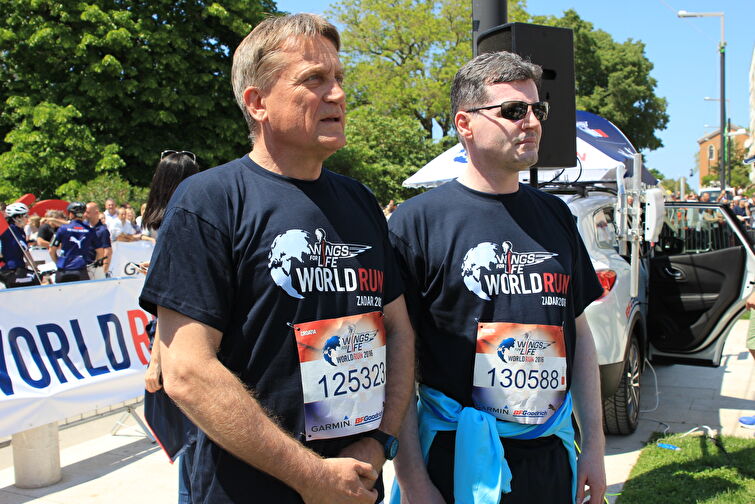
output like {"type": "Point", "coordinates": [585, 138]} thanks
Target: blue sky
{"type": "Point", "coordinates": [684, 53]}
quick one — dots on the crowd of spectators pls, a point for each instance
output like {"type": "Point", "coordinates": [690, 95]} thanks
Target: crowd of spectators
{"type": "Point", "coordinates": [741, 205]}
{"type": "Point", "coordinates": [123, 225]}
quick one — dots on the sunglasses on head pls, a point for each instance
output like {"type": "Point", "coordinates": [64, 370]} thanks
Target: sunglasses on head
{"type": "Point", "coordinates": [179, 152]}
{"type": "Point", "coordinates": [516, 110]}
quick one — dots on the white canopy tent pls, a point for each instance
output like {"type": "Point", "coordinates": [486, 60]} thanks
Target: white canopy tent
{"type": "Point", "coordinates": [601, 149]}
{"type": "Point", "coordinates": [595, 166]}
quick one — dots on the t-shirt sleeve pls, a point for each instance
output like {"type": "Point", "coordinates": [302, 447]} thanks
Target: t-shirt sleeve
{"type": "Point", "coordinates": [586, 287]}
{"type": "Point", "coordinates": [104, 238]}
{"type": "Point", "coordinates": [191, 270]}
{"type": "Point", "coordinates": [409, 264]}
{"type": "Point", "coordinates": [57, 237]}
{"type": "Point", "coordinates": [394, 285]}
{"type": "Point", "coordinates": [45, 232]}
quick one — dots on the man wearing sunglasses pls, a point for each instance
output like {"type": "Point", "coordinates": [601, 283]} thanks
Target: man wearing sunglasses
{"type": "Point", "coordinates": [283, 330]}
{"type": "Point", "coordinates": [496, 281]}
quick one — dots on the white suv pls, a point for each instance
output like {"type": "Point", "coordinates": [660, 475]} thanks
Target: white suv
{"type": "Point", "coordinates": [692, 287]}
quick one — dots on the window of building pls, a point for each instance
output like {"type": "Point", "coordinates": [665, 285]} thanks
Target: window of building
{"type": "Point", "coordinates": [711, 153]}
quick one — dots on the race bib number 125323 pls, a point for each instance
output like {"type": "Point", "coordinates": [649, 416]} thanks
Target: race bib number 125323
{"type": "Point", "coordinates": [343, 373]}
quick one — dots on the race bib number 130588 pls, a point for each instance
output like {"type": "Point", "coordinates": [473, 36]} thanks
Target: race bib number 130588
{"type": "Point", "coordinates": [519, 371]}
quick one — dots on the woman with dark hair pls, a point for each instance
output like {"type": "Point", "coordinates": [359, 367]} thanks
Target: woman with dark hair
{"type": "Point", "coordinates": [174, 166]}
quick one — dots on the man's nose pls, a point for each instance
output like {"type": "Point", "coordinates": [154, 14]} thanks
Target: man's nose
{"type": "Point", "coordinates": [336, 92]}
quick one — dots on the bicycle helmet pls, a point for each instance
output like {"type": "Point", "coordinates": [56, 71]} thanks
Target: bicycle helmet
{"type": "Point", "coordinates": [16, 210]}
{"type": "Point", "coordinates": [77, 208]}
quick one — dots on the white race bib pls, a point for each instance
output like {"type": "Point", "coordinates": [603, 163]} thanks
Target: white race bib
{"type": "Point", "coordinates": [343, 373]}
{"type": "Point", "coordinates": [519, 371]}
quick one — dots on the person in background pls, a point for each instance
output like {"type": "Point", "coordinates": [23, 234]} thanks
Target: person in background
{"type": "Point", "coordinates": [141, 217]}
{"type": "Point", "coordinates": [32, 228]}
{"type": "Point", "coordinates": [121, 229]}
{"type": "Point", "coordinates": [389, 209]}
{"type": "Point", "coordinates": [50, 223]}
{"type": "Point", "coordinates": [14, 271]}
{"type": "Point", "coordinates": [76, 243]}
{"type": "Point", "coordinates": [174, 167]}
{"type": "Point", "coordinates": [111, 211]}
{"type": "Point", "coordinates": [103, 249]}
{"type": "Point", "coordinates": [131, 218]}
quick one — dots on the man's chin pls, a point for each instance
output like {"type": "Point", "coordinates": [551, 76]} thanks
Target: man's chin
{"type": "Point", "coordinates": [527, 162]}
{"type": "Point", "coordinates": [332, 143]}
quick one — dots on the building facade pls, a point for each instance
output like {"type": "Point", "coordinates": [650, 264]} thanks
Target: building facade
{"type": "Point", "coordinates": [710, 149]}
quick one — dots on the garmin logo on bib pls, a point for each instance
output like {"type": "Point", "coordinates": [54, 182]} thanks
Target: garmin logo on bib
{"type": "Point", "coordinates": [301, 262]}
{"type": "Point", "coordinates": [490, 269]}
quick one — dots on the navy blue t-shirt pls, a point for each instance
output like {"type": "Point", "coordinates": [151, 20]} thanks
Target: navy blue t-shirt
{"type": "Point", "coordinates": [13, 255]}
{"type": "Point", "coordinates": [249, 252]}
{"type": "Point", "coordinates": [469, 257]}
{"type": "Point", "coordinates": [101, 240]}
{"type": "Point", "coordinates": [76, 241]}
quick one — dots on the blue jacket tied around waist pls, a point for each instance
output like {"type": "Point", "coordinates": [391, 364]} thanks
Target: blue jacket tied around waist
{"type": "Point", "coordinates": [481, 472]}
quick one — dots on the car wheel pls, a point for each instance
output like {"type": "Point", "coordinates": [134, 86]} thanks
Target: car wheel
{"type": "Point", "coordinates": [621, 412]}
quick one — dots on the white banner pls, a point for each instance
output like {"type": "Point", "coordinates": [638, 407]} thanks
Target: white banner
{"type": "Point", "coordinates": [123, 254]}
{"type": "Point", "coordinates": [129, 252]}
{"type": "Point", "coordinates": [70, 348]}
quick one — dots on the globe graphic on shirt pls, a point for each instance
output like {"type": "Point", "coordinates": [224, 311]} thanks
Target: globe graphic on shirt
{"type": "Point", "coordinates": [485, 255]}
{"type": "Point", "coordinates": [286, 247]}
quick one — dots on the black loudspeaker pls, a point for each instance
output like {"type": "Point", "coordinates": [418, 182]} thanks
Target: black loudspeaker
{"type": "Point", "coordinates": [553, 49]}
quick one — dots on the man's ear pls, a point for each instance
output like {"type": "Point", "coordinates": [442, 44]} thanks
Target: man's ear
{"type": "Point", "coordinates": [461, 122]}
{"type": "Point", "coordinates": [255, 103]}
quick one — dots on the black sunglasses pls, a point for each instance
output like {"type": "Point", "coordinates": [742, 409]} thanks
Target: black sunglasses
{"type": "Point", "coordinates": [516, 110]}
{"type": "Point", "coordinates": [179, 152]}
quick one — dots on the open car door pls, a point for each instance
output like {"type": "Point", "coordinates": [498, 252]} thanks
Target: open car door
{"type": "Point", "coordinates": [700, 275]}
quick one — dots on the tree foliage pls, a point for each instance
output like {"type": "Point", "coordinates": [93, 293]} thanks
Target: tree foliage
{"type": "Point", "coordinates": [613, 80]}
{"type": "Point", "coordinates": [382, 151]}
{"type": "Point", "coordinates": [102, 187]}
{"type": "Point", "coordinates": [401, 55]}
{"type": "Point", "coordinates": [94, 86]}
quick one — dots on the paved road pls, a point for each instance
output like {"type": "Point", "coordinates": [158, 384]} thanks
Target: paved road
{"type": "Point", "coordinates": [124, 468]}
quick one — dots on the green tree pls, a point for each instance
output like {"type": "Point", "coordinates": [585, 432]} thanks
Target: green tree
{"type": "Point", "coordinates": [613, 80]}
{"type": "Point", "coordinates": [102, 187]}
{"type": "Point", "coordinates": [401, 55]}
{"type": "Point", "coordinates": [95, 86]}
{"type": "Point", "coordinates": [50, 146]}
{"type": "Point", "coordinates": [382, 151]}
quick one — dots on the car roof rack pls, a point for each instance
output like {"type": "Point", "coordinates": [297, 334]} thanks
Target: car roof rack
{"type": "Point", "coordinates": [581, 188]}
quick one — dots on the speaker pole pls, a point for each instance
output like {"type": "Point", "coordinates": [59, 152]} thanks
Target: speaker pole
{"type": "Point", "coordinates": [485, 15]}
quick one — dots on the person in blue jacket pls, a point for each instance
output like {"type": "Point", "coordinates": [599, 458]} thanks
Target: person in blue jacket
{"type": "Point", "coordinates": [14, 272]}
{"type": "Point", "coordinates": [76, 243]}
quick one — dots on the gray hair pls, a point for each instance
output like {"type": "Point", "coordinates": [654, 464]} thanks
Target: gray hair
{"type": "Point", "coordinates": [469, 88]}
{"type": "Point", "coordinates": [257, 61]}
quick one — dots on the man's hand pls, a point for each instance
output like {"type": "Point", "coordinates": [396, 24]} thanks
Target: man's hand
{"type": "Point", "coordinates": [152, 378]}
{"type": "Point", "coordinates": [750, 303]}
{"type": "Point", "coordinates": [591, 472]}
{"type": "Point", "coordinates": [340, 482]}
{"type": "Point", "coordinates": [366, 450]}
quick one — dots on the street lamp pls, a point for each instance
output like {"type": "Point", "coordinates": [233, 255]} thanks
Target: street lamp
{"type": "Point", "coordinates": [722, 51]}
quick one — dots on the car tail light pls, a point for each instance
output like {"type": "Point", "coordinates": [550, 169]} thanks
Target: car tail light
{"type": "Point", "coordinates": [607, 279]}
